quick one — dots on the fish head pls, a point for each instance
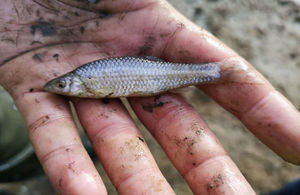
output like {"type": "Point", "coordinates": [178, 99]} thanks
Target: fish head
{"type": "Point", "coordinates": [68, 84]}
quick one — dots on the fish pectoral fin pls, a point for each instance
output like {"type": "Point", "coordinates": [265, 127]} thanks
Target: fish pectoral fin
{"type": "Point", "coordinates": [102, 93]}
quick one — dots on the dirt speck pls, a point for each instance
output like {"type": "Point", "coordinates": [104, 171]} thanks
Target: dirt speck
{"type": "Point", "coordinates": [39, 122]}
{"type": "Point", "coordinates": [100, 140]}
{"type": "Point", "coordinates": [141, 139]}
{"type": "Point", "coordinates": [105, 14]}
{"type": "Point", "coordinates": [56, 56]}
{"type": "Point", "coordinates": [216, 181]}
{"type": "Point", "coordinates": [37, 57]}
{"type": "Point", "coordinates": [102, 114]}
{"type": "Point", "coordinates": [70, 166]}
{"type": "Point", "coordinates": [187, 142]}
{"type": "Point", "coordinates": [37, 13]}
{"type": "Point", "coordinates": [105, 100]}
{"type": "Point", "coordinates": [37, 100]}
{"type": "Point", "coordinates": [113, 110]}
{"type": "Point", "coordinates": [186, 56]}
{"type": "Point", "coordinates": [45, 28]}
{"type": "Point", "coordinates": [133, 148]}
{"type": "Point", "coordinates": [158, 185]}
{"type": "Point", "coordinates": [148, 45]}
{"type": "Point", "coordinates": [82, 29]}
{"type": "Point", "coordinates": [31, 89]}
{"type": "Point", "coordinates": [36, 42]}
{"type": "Point", "coordinates": [148, 107]}
{"type": "Point", "coordinates": [197, 129]}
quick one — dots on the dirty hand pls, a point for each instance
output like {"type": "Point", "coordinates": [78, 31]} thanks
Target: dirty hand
{"type": "Point", "coordinates": [43, 39]}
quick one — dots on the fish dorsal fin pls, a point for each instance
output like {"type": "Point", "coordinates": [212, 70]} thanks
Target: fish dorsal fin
{"type": "Point", "coordinates": [152, 58]}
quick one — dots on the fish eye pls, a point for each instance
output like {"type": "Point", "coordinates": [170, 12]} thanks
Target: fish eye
{"type": "Point", "coordinates": [61, 84]}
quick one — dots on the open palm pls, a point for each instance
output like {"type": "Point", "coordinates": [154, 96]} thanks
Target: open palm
{"type": "Point", "coordinates": [43, 39]}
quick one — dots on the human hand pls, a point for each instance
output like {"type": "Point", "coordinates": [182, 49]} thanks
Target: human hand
{"type": "Point", "coordinates": [44, 39]}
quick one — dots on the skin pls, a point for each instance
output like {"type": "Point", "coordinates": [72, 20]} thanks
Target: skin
{"type": "Point", "coordinates": [33, 52]}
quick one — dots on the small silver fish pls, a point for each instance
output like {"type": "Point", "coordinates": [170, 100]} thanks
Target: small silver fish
{"type": "Point", "coordinates": [131, 76]}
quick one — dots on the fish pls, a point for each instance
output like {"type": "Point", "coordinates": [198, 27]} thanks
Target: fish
{"type": "Point", "coordinates": [132, 76]}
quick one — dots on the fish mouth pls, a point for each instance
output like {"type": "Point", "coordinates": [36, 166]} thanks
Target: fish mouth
{"type": "Point", "coordinates": [47, 87]}
{"type": "Point", "coordinates": [50, 86]}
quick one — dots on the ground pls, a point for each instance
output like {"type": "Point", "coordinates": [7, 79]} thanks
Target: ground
{"type": "Point", "coordinates": [264, 32]}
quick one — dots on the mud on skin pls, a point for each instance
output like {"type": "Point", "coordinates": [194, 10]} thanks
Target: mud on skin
{"type": "Point", "coordinates": [216, 181]}
{"type": "Point", "coordinates": [58, 24]}
{"type": "Point", "coordinates": [148, 107]}
{"type": "Point", "coordinates": [46, 29]}
{"type": "Point", "coordinates": [70, 21]}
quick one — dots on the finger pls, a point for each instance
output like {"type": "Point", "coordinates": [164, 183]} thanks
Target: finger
{"type": "Point", "coordinates": [57, 144]}
{"type": "Point", "coordinates": [190, 145]}
{"type": "Point", "coordinates": [48, 118]}
{"type": "Point", "coordinates": [110, 7]}
{"type": "Point", "coordinates": [246, 94]}
{"type": "Point", "coordinates": [121, 148]}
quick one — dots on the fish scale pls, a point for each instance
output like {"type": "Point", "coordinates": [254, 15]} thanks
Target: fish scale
{"type": "Point", "coordinates": [137, 76]}
{"type": "Point", "coordinates": [160, 75]}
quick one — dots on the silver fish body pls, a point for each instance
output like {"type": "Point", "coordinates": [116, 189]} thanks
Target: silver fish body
{"type": "Point", "coordinates": [131, 76]}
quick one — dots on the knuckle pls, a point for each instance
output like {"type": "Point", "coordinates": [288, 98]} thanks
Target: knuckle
{"type": "Point", "coordinates": [45, 120]}
{"type": "Point", "coordinates": [60, 150]}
